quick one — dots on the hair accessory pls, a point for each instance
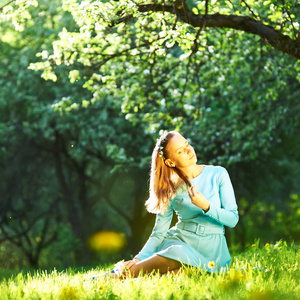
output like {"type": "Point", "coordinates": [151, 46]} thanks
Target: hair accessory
{"type": "Point", "coordinates": [159, 141]}
{"type": "Point", "coordinates": [161, 152]}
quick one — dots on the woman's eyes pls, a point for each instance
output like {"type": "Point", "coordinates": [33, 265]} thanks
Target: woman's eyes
{"type": "Point", "coordinates": [187, 145]}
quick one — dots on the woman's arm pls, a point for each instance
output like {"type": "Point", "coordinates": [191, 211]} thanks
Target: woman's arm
{"type": "Point", "coordinates": [227, 214]}
{"type": "Point", "coordinates": [159, 232]}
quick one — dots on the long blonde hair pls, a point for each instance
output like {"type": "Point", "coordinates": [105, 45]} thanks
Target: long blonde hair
{"type": "Point", "coordinates": [164, 180]}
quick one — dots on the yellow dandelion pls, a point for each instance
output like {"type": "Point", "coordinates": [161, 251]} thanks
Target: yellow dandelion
{"type": "Point", "coordinates": [253, 245]}
{"type": "Point", "coordinates": [267, 245]}
{"type": "Point", "coordinates": [101, 287]}
{"type": "Point", "coordinates": [25, 292]}
{"type": "Point", "coordinates": [211, 264]}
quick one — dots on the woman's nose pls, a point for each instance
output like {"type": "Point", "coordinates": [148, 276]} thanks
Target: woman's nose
{"type": "Point", "coordinates": [188, 149]}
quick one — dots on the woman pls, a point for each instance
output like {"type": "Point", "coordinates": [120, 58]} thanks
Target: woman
{"type": "Point", "coordinates": [202, 197]}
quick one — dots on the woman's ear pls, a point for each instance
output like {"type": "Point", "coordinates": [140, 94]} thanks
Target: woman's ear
{"type": "Point", "coordinates": [169, 163]}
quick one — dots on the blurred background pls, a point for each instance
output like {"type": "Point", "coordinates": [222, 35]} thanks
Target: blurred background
{"type": "Point", "coordinates": [86, 89]}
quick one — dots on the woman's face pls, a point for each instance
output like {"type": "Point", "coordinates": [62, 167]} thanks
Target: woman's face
{"type": "Point", "coordinates": [180, 153]}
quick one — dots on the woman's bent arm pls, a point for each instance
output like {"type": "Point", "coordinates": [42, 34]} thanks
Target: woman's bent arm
{"type": "Point", "coordinates": [227, 214]}
{"type": "Point", "coordinates": [159, 232]}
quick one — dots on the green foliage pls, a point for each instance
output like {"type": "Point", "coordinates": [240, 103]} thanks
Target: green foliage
{"type": "Point", "coordinates": [269, 271]}
{"type": "Point", "coordinates": [78, 132]}
{"type": "Point", "coordinates": [17, 12]}
{"type": "Point", "coordinates": [167, 74]}
{"type": "Point", "coordinates": [62, 252]}
{"type": "Point", "coordinates": [260, 218]}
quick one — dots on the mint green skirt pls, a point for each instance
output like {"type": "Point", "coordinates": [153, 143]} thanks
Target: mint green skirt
{"type": "Point", "coordinates": [206, 251]}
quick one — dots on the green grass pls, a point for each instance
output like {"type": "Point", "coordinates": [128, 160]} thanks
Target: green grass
{"type": "Point", "coordinates": [260, 272]}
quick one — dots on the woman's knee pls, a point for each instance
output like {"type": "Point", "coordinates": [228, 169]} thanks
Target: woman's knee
{"type": "Point", "coordinates": [154, 263]}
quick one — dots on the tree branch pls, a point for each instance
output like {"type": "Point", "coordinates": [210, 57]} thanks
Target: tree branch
{"type": "Point", "coordinates": [1, 8]}
{"type": "Point", "coordinates": [250, 9]}
{"type": "Point", "coordinates": [273, 37]}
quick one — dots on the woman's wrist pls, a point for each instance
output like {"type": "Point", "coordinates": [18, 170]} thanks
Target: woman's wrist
{"type": "Point", "coordinates": [206, 208]}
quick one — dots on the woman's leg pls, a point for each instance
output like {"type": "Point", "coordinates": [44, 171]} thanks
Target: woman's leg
{"type": "Point", "coordinates": [155, 263]}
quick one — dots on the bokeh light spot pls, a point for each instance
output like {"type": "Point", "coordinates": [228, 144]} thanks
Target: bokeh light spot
{"type": "Point", "coordinates": [107, 241]}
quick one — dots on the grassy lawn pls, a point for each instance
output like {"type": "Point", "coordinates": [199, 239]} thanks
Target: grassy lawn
{"type": "Point", "coordinates": [261, 272]}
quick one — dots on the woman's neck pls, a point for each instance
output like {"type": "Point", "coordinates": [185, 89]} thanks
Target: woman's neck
{"type": "Point", "coordinates": [193, 171]}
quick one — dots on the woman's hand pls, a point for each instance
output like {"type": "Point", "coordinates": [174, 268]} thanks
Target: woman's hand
{"type": "Point", "coordinates": [198, 199]}
{"type": "Point", "coordinates": [129, 263]}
